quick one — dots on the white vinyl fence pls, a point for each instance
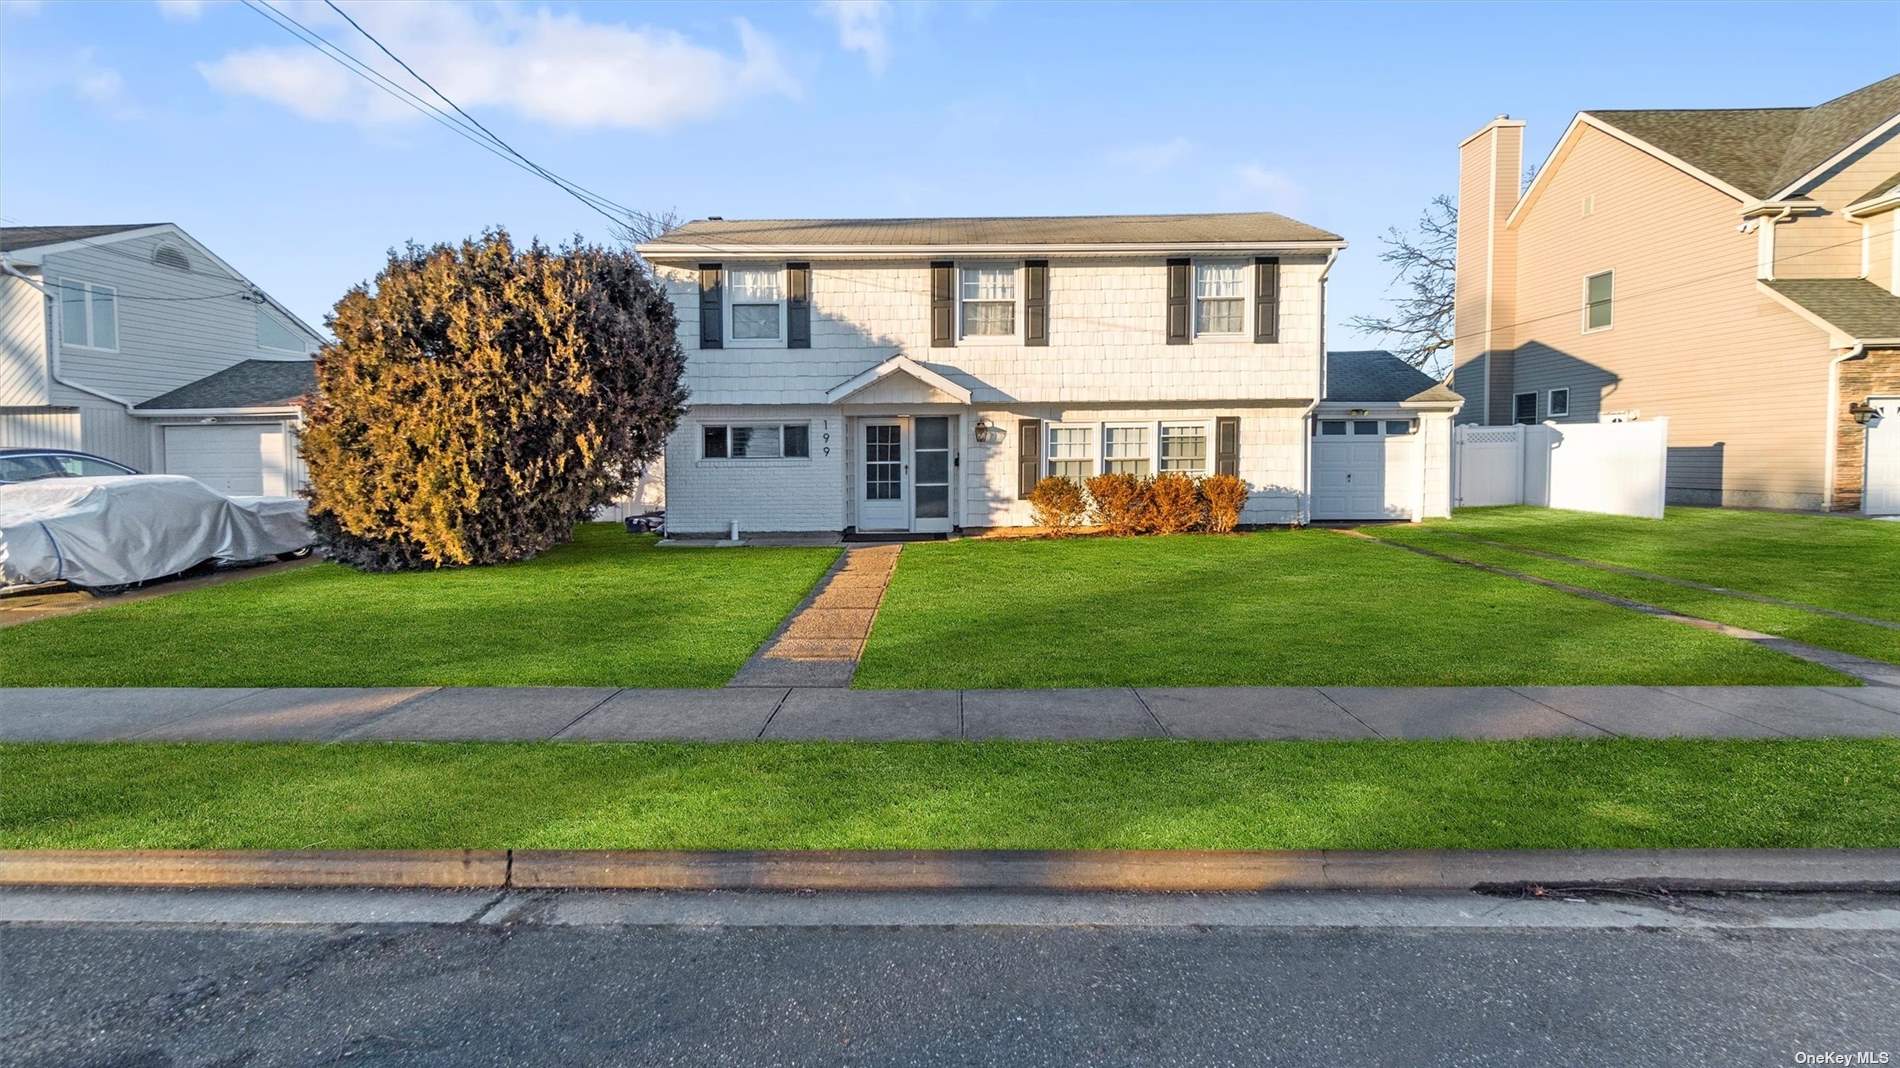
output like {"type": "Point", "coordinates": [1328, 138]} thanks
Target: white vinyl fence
{"type": "Point", "coordinates": [1618, 468]}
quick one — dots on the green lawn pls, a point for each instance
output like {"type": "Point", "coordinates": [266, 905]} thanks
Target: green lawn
{"type": "Point", "coordinates": [608, 609]}
{"type": "Point", "coordinates": [1616, 793]}
{"type": "Point", "coordinates": [1847, 565]}
{"type": "Point", "coordinates": [1297, 608]}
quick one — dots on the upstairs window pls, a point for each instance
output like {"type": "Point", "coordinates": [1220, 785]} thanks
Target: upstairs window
{"type": "Point", "coordinates": [756, 299]}
{"type": "Point", "coordinates": [88, 315]}
{"type": "Point", "coordinates": [1219, 298]}
{"type": "Point", "coordinates": [273, 334]}
{"type": "Point", "coordinates": [988, 296]}
{"type": "Point", "coordinates": [1598, 295]}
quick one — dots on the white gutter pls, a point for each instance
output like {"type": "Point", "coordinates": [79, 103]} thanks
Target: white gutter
{"type": "Point", "coordinates": [54, 347]}
{"type": "Point", "coordinates": [674, 249]}
{"type": "Point", "coordinates": [215, 413]}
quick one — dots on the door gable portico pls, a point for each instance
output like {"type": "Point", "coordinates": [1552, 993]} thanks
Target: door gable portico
{"type": "Point", "coordinates": [898, 380]}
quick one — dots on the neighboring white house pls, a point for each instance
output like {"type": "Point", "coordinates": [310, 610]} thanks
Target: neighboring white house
{"type": "Point", "coordinates": [923, 374]}
{"type": "Point", "coordinates": [139, 344]}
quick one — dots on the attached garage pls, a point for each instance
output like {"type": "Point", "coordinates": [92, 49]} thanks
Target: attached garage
{"type": "Point", "coordinates": [1381, 441]}
{"type": "Point", "coordinates": [1880, 494]}
{"type": "Point", "coordinates": [235, 431]}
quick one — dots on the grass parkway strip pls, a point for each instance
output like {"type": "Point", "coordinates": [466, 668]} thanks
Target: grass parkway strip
{"type": "Point", "coordinates": [1543, 794]}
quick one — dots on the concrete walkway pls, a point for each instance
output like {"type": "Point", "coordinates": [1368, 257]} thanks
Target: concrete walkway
{"type": "Point", "coordinates": [784, 712]}
{"type": "Point", "coordinates": [820, 643]}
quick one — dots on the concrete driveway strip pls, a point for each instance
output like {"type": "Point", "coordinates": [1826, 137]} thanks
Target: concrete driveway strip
{"type": "Point", "coordinates": [869, 715]}
{"type": "Point", "coordinates": [1804, 712]}
{"type": "Point", "coordinates": [1884, 697]}
{"type": "Point", "coordinates": [87, 715]}
{"type": "Point", "coordinates": [483, 714]}
{"type": "Point", "coordinates": [1057, 714]}
{"type": "Point", "coordinates": [286, 715]}
{"type": "Point", "coordinates": [1645, 712]}
{"type": "Point", "coordinates": [1236, 713]}
{"type": "Point", "coordinates": [1456, 712]}
{"type": "Point", "coordinates": [737, 714]}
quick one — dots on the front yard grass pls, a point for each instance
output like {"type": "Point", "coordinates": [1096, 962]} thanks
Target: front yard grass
{"type": "Point", "coordinates": [1546, 794]}
{"type": "Point", "coordinates": [608, 609]}
{"type": "Point", "coordinates": [1292, 608]}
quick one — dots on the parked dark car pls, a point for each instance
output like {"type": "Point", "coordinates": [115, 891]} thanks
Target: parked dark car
{"type": "Point", "coordinates": [31, 465]}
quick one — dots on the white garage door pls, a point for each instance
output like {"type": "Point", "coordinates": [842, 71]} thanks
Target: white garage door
{"type": "Point", "coordinates": [1365, 469]}
{"type": "Point", "coordinates": [237, 460]}
{"type": "Point", "coordinates": [1882, 493]}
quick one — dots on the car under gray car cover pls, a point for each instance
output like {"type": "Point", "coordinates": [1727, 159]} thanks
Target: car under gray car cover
{"type": "Point", "coordinates": [130, 528]}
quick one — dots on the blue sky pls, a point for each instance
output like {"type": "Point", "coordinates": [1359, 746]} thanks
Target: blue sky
{"type": "Point", "coordinates": [1345, 116]}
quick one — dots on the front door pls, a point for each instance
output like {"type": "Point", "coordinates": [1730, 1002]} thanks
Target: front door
{"type": "Point", "coordinates": [1881, 493]}
{"type": "Point", "coordinates": [883, 503]}
{"type": "Point", "coordinates": [930, 464]}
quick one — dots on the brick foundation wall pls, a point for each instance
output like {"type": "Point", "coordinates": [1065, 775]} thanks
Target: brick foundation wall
{"type": "Point", "coordinates": [1875, 374]}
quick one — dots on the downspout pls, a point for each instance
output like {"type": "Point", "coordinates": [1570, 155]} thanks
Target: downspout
{"type": "Point", "coordinates": [1833, 414]}
{"type": "Point", "coordinates": [53, 348]}
{"type": "Point", "coordinates": [1303, 514]}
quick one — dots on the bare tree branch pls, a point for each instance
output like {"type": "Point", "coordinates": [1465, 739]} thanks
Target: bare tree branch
{"type": "Point", "coordinates": [1420, 328]}
{"type": "Point", "coordinates": [646, 226]}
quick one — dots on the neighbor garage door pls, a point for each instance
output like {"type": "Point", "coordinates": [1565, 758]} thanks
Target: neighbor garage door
{"type": "Point", "coordinates": [236, 460]}
{"type": "Point", "coordinates": [1365, 469]}
{"type": "Point", "coordinates": [1881, 495]}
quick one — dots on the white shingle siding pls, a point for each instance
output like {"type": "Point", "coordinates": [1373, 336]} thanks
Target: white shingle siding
{"type": "Point", "coordinates": [705, 496]}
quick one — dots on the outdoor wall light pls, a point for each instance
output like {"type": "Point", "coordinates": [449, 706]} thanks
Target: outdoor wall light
{"type": "Point", "coordinates": [1862, 412]}
{"type": "Point", "coordinates": [984, 431]}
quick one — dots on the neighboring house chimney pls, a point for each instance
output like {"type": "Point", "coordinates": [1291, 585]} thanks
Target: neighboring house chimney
{"type": "Point", "coordinates": [1490, 166]}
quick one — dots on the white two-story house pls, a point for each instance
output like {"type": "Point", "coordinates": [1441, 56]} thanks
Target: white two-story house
{"type": "Point", "coordinates": [139, 344]}
{"type": "Point", "coordinates": [921, 375]}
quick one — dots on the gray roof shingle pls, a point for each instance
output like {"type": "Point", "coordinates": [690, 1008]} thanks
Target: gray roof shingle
{"type": "Point", "coordinates": [250, 384]}
{"type": "Point", "coordinates": [1263, 227]}
{"type": "Point", "coordinates": [1376, 376]}
{"type": "Point", "coordinates": [13, 238]}
{"type": "Point", "coordinates": [1761, 151]}
{"type": "Point", "coordinates": [1855, 306]}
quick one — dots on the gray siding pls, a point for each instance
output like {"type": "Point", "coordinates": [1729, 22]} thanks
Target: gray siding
{"type": "Point", "coordinates": [1468, 381]}
{"type": "Point", "coordinates": [163, 344]}
{"type": "Point", "coordinates": [23, 374]}
{"type": "Point", "coordinates": [1542, 368]}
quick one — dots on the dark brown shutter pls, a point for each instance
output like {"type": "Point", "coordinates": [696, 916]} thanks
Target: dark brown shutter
{"type": "Point", "coordinates": [798, 305]}
{"type": "Point", "coordinates": [1266, 300]}
{"type": "Point", "coordinates": [1028, 455]}
{"type": "Point", "coordinates": [1180, 279]}
{"type": "Point", "coordinates": [711, 305]}
{"type": "Point", "coordinates": [1036, 302]}
{"type": "Point", "coordinates": [943, 305]}
{"type": "Point", "coordinates": [1227, 446]}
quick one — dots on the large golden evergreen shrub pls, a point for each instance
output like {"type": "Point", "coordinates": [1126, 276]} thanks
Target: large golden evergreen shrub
{"type": "Point", "coordinates": [482, 398]}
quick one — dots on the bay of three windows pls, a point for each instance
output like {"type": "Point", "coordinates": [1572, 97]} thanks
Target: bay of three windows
{"type": "Point", "coordinates": [988, 298]}
{"type": "Point", "coordinates": [1083, 450]}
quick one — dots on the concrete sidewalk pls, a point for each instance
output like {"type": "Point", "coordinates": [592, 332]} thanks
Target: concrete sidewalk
{"type": "Point", "coordinates": [1219, 713]}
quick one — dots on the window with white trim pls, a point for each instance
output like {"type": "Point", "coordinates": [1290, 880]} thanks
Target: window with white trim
{"type": "Point", "coordinates": [88, 315]}
{"type": "Point", "coordinates": [1071, 451]}
{"type": "Point", "coordinates": [1599, 293]}
{"type": "Point", "coordinates": [273, 334]}
{"type": "Point", "coordinates": [1559, 403]}
{"type": "Point", "coordinates": [987, 296]}
{"type": "Point", "coordinates": [1184, 448]}
{"type": "Point", "coordinates": [1220, 302]}
{"type": "Point", "coordinates": [755, 299]}
{"type": "Point", "coordinates": [1128, 450]}
{"type": "Point", "coordinates": [755, 441]}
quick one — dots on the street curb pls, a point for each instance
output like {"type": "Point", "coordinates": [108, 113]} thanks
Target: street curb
{"type": "Point", "coordinates": [926, 870]}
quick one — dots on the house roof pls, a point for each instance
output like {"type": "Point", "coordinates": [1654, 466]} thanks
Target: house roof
{"type": "Point", "coordinates": [1262, 227]}
{"type": "Point", "coordinates": [1892, 183]}
{"type": "Point", "coordinates": [250, 384]}
{"type": "Point", "coordinates": [1762, 151]}
{"type": "Point", "coordinates": [1854, 306]}
{"type": "Point", "coordinates": [13, 238]}
{"type": "Point", "coordinates": [1376, 376]}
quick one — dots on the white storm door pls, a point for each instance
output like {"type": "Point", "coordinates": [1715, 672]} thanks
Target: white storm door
{"type": "Point", "coordinates": [930, 473]}
{"type": "Point", "coordinates": [883, 472]}
{"type": "Point", "coordinates": [1881, 491]}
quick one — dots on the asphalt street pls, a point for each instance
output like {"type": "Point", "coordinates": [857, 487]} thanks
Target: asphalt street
{"type": "Point", "coordinates": [603, 979]}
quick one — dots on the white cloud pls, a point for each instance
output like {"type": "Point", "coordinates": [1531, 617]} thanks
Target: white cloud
{"type": "Point", "coordinates": [181, 10]}
{"type": "Point", "coordinates": [101, 86]}
{"type": "Point", "coordinates": [1279, 190]}
{"type": "Point", "coordinates": [1152, 156]}
{"type": "Point", "coordinates": [555, 68]}
{"type": "Point", "coordinates": [863, 26]}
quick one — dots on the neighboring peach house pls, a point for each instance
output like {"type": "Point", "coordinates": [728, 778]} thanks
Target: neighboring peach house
{"type": "Point", "coordinates": [1733, 270]}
